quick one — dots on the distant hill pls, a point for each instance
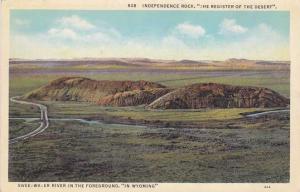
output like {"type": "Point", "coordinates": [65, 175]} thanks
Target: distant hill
{"type": "Point", "coordinates": [157, 96]}
{"type": "Point", "coordinates": [187, 61]}
{"type": "Point", "coordinates": [146, 63]}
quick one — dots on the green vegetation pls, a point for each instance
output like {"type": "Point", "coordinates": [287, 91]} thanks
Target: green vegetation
{"type": "Point", "coordinates": [18, 110]}
{"type": "Point", "coordinates": [19, 85]}
{"type": "Point", "coordinates": [23, 84]}
{"type": "Point", "coordinates": [85, 110]}
{"type": "Point", "coordinates": [74, 151]}
{"type": "Point", "coordinates": [238, 150]}
{"type": "Point", "coordinates": [280, 85]}
{"type": "Point", "coordinates": [189, 115]}
{"type": "Point", "coordinates": [18, 127]}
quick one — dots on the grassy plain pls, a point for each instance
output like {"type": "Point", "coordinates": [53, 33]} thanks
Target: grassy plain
{"type": "Point", "coordinates": [74, 151]}
{"type": "Point", "coordinates": [19, 127]}
{"type": "Point", "coordinates": [278, 81]}
{"type": "Point", "coordinates": [225, 147]}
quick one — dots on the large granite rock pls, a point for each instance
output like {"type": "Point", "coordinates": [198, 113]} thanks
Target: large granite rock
{"type": "Point", "coordinates": [133, 98]}
{"type": "Point", "coordinates": [85, 89]}
{"type": "Point", "coordinates": [212, 95]}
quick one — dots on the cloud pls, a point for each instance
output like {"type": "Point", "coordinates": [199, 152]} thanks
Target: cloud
{"type": "Point", "coordinates": [92, 38]}
{"type": "Point", "coordinates": [77, 22]}
{"type": "Point", "coordinates": [261, 42]}
{"type": "Point", "coordinates": [255, 46]}
{"type": "Point", "coordinates": [172, 41]}
{"type": "Point", "coordinates": [268, 31]}
{"type": "Point", "coordinates": [21, 22]}
{"type": "Point", "coordinates": [229, 26]}
{"type": "Point", "coordinates": [67, 42]}
{"type": "Point", "coordinates": [63, 33]}
{"type": "Point", "coordinates": [76, 28]}
{"type": "Point", "coordinates": [194, 31]}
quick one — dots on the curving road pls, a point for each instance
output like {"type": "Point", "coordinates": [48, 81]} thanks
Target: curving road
{"type": "Point", "coordinates": [44, 120]}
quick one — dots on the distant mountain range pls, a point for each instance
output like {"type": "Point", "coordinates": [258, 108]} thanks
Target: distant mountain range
{"type": "Point", "coordinates": [146, 60]}
{"type": "Point", "coordinates": [154, 63]}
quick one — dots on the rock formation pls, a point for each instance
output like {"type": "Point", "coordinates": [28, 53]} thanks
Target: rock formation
{"type": "Point", "coordinates": [212, 95]}
{"type": "Point", "coordinates": [84, 89]}
{"type": "Point", "coordinates": [132, 98]}
{"type": "Point", "coordinates": [157, 96]}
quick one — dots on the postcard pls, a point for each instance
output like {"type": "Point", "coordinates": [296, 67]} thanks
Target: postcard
{"type": "Point", "coordinates": [150, 96]}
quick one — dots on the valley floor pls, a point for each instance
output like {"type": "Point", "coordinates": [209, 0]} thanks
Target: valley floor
{"type": "Point", "coordinates": [224, 149]}
{"type": "Point", "coordinates": [136, 145]}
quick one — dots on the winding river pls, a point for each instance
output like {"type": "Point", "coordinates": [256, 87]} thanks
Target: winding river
{"type": "Point", "coordinates": [44, 120]}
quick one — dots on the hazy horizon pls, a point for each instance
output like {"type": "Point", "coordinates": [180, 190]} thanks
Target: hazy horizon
{"type": "Point", "coordinates": [128, 58]}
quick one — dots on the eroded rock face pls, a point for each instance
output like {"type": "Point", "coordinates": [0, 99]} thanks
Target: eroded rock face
{"type": "Point", "coordinates": [133, 98]}
{"type": "Point", "coordinates": [157, 96]}
{"type": "Point", "coordinates": [212, 95]}
{"type": "Point", "coordinates": [84, 89]}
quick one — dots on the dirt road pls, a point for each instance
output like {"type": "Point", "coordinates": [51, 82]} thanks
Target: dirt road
{"type": "Point", "coordinates": [44, 120]}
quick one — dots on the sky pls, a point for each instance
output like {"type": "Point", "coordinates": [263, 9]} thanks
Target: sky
{"type": "Point", "coordinates": [196, 35]}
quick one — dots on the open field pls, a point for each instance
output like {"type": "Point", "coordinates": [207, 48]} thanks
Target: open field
{"type": "Point", "coordinates": [71, 109]}
{"type": "Point", "coordinates": [133, 144]}
{"type": "Point", "coordinates": [278, 81]}
{"type": "Point", "coordinates": [20, 127]}
{"type": "Point", "coordinates": [74, 151]}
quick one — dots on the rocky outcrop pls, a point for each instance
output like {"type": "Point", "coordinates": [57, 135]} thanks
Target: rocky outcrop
{"type": "Point", "coordinates": [212, 95]}
{"type": "Point", "coordinates": [85, 89]}
{"type": "Point", "coordinates": [157, 96]}
{"type": "Point", "coordinates": [133, 98]}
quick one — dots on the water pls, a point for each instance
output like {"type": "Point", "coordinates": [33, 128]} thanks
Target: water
{"type": "Point", "coordinates": [267, 112]}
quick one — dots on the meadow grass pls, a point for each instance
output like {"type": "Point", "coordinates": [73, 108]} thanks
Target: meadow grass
{"type": "Point", "coordinates": [188, 115]}
{"type": "Point", "coordinates": [19, 127]}
{"type": "Point", "coordinates": [21, 84]}
{"type": "Point", "coordinates": [73, 151]}
{"type": "Point", "coordinates": [60, 109]}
